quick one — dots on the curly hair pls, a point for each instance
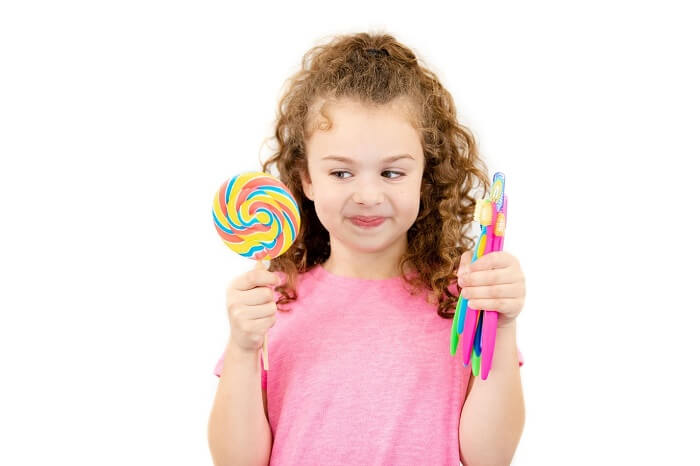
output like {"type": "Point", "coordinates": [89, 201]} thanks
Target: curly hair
{"type": "Point", "coordinates": [375, 69]}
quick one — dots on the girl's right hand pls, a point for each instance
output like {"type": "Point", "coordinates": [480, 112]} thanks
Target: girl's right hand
{"type": "Point", "coordinates": [250, 302]}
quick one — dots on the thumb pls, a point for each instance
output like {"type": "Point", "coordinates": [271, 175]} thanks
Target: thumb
{"type": "Point", "coordinates": [259, 265]}
{"type": "Point", "coordinates": [464, 261]}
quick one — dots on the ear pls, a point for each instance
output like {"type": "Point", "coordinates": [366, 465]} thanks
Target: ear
{"type": "Point", "coordinates": [307, 186]}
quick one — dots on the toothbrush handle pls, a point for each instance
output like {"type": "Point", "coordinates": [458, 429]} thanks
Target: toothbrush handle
{"type": "Point", "coordinates": [457, 323]}
{"type": "Point", "coordinates": [469, 319]}
{"type": "Point", "coordinates": [488, 341]}
{"type": "Point", "coordinates": [468, 337]}
{"type": "Point", "coordinates": [462, 303]}
{"type": "Point", "coordinates": [490, 324]}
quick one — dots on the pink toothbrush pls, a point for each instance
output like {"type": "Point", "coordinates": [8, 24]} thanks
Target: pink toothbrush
{"type": "Point", "coordinates": [490, 323]}
{"type": "Point", "coordinates": [483, 246]}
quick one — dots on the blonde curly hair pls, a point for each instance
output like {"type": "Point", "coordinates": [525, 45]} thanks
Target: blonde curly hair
{"type": "Point", "coordinates": [375, 69]}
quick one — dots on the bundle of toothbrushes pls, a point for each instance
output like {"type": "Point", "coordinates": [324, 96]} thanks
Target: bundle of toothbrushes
{"type": "Point", "coordinates": [481, 325]}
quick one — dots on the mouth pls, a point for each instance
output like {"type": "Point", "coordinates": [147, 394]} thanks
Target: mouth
{"type": "Point", "coordinates": [367, 222]}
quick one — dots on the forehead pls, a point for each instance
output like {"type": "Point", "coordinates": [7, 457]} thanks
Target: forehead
{"type": "Point", "coordinates": [356, 130]}
{"type": "Point", "coordinates": [323, 111]}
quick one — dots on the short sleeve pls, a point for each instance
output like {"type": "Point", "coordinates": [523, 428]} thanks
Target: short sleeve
{"type": "Point", "coordinates": [220, 365]}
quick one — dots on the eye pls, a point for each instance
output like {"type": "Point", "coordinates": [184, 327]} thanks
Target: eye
{"type": "Point", "coordinates": [335, 173]}
{"type": "Point", "coordinates": [339, 171]}
{"type": "Point", "coordinates": [392, 171]}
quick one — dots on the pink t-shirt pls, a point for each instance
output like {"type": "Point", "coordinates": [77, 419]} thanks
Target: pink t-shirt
{"type": "Point", "coordinates": [360, 372]}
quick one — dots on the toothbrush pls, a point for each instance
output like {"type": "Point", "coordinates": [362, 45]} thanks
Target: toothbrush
{"type": "Point", "coordinates": [490, 324]}
{"type": "Point", "coordinates": [496, 231]}
{"type": "Point", "coordinates": [486, 219]}
{"type": "Point", "coordinates": [481, 325]}
{"type": "Point", "coordinates": [462, 310]}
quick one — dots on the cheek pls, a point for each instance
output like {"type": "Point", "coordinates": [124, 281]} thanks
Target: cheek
{"type": "Point", "coordinates": [412, 209]}
{"type": "Point", "coordinates": [328, 208]}
{"type": "Point", "coordinates": [409, 201]}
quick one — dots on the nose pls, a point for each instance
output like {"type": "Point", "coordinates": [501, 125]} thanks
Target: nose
{"type": "Point", "coordinates": [368, 193]}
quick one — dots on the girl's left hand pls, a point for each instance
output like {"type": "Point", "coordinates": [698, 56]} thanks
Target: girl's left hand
{"type": "Point", "coordinates": [493, 282]}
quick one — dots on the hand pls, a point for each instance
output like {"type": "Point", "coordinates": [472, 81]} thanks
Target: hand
{"type": "Point", "coordinates": [251, 308]}
{"type": "Point", "coordinates": [494, 282]}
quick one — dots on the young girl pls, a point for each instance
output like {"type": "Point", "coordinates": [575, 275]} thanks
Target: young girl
{"type": "Point", "coordinates": [360, 370]}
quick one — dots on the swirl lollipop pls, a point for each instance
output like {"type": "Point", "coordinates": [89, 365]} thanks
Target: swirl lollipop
{"type": "Point", "coordinates": [257, 217]}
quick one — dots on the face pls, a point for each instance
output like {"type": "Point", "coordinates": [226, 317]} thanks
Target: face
{"type": "Point", "coordinates": [353, 172]}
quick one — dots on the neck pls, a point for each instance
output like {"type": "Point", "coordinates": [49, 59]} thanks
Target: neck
{"type": "Point", "coordinates": [376, 265]}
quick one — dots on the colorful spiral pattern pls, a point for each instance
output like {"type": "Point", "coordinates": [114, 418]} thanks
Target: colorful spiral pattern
{"type": "Point", "coordinates": [256, 215]}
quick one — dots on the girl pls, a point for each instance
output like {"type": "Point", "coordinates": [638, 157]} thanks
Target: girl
{"type": "Point", "coordinates": [360, 368]}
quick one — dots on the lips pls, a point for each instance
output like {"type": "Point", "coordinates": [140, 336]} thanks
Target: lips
{"type": "Point", "coordinates": [367, 221]}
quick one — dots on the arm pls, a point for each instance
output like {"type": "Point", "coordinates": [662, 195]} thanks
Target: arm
{"type": "Point", "coordinates": [493, 413]}
{"type": "Point", "coordinates": [239, 432]}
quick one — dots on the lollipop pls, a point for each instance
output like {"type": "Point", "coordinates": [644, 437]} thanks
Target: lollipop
{"type": "Point", "coordinates": [257, 217]}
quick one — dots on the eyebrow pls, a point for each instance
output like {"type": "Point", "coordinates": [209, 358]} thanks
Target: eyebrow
{"type": "Point", "coordinates": [392, 158]}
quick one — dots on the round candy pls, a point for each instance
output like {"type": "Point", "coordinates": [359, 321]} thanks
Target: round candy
{"type": "Point", "coordinates": [256, 215]}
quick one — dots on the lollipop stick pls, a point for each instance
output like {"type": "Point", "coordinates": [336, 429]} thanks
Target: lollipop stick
{"type": "Point", "coordinates": [266, 364]}
{"type": "Point", "coordinates": [261, 265]}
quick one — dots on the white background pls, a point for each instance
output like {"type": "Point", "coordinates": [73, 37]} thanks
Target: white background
{"type": "Point", "coordinates": [119, 120]}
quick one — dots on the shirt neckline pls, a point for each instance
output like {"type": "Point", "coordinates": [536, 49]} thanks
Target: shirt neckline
{"type": "Point", "coordinates": [320, 272]}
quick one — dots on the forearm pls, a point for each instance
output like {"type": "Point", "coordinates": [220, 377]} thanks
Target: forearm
{"type": "Point", "coordinates": [493, 414]}
{"type": "Point", "coordinates": [239, 432]}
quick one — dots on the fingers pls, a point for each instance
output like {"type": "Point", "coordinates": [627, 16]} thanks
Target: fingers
{"type": "Point", "coordinates": [464, 261]}
{"type": "Point", "coordinates": [492, 260]}
{"type": "Point", "coordinates": [488, 277]}
{"type": "Point", "coordinates": [506, 306]}
{"type": "Point", "coordinates": [254, 296]}
{"type": "Point", "coordinates": [250, 289]}
{"type": "Point", "coordinates": [257, 312]}
{"type": "Point", "coordinates": [506, 291]}
{"type": "Point", "coordinates": [251, 306]}
{"type": "Point", "coordinates": [254, 278]}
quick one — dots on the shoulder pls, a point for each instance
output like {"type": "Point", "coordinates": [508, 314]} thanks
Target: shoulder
{"type": "Point", "coordinates": [285, 277]}
{"type": "Point", "coordinates": [299, 281]}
